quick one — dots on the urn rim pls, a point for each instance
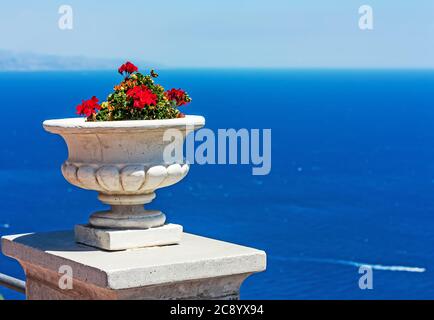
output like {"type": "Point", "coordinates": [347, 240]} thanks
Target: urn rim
{"type": "Point", "coordinates": [80, 125]}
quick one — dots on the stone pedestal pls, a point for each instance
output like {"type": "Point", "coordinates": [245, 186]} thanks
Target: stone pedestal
{"type": "Point", "coordinates": [57, 267]}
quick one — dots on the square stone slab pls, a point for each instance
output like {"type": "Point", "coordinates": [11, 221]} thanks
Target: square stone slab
{"type": "Point", "coordinates": [195, 258]}
{"type": "Point", "coordinates": [112, 239]}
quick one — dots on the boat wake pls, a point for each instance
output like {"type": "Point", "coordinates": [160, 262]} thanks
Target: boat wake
{"type": "Point", "coordinates": [359, 264]}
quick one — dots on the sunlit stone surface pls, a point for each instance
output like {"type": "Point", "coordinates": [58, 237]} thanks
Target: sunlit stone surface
{"type": "Point", "coordinates": [197, 268]}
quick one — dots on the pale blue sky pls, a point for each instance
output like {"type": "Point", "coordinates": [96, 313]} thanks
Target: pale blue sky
{"type": "Point", "coordinates": [228, 33]}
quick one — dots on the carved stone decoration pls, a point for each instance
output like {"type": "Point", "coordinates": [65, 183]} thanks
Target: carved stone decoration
{"type": "Point", "coordinates": [128, 179]}
{"type": "Point", "coordinates": [125, 162]}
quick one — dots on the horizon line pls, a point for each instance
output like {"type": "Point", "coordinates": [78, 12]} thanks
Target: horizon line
{"type": "Point", "coordinates": [240, 68]}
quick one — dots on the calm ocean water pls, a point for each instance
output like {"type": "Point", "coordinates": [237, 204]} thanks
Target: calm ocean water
{"type": "Point", "coordinates": [352, 177]}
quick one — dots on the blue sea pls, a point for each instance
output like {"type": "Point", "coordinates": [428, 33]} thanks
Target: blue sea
{"type": "Point", "coordinates": [352, 178]}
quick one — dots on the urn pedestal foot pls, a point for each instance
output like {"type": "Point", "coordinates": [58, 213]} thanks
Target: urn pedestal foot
{"type": "Point", "coordinates": [122, 239]}
{"type": "Point", "coordinates": [127, 212]}
{"type": "Point", "coordinates": [127, 217]}
{"type": "Point", "coordinates": [127, 225]}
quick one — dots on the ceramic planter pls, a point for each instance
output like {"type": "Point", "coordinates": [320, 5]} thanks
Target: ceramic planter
{"type": "Point", "coordinates": [124, 162]}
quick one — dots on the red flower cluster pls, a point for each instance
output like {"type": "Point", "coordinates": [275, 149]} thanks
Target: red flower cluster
{"type": "Point", "coordinates": [127, 67]}
{"type": "Point", "coordinates": [87, 107]}
{"type": "Point", "coordinates": [136, 97]}
{"type": "Point", "coordinates": [142, 96]}
{"type": "Point", "coordinates": [178, 95]}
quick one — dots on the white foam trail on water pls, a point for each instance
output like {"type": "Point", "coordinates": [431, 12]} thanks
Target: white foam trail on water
{"type": "Point", "coordinates": [359, 264]}
{"type": "Point", "coordinates": [381, 267]}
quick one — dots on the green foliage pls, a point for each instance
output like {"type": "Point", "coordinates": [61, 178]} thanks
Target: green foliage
{"type": "Point", "coordinates": [120, 105]}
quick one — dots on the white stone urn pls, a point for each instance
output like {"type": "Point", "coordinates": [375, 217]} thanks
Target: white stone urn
{"type": "Point", "coordinates": [124, 162]}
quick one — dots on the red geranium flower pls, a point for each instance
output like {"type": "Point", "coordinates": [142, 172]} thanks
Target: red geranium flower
{"type": "Point", "coordinates": [128, 68]}
{"type": "Point", "coordinates": [142, 96]}
{"type": "Point", "coordinates": [178, 95]}
{"type": "Point", "coordinates": [87, 107]}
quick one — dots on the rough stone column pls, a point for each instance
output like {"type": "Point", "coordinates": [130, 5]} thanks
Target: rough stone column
{"type": "Point", "coordinates": [197, 268]}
